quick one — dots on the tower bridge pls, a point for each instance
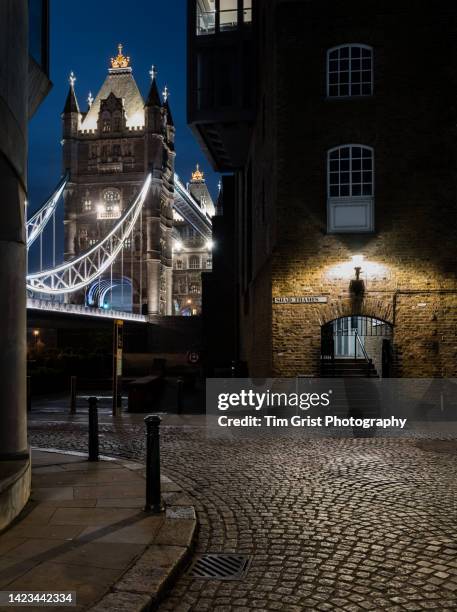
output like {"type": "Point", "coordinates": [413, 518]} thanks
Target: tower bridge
{"type": "Point", "coordinates": [136, 237]}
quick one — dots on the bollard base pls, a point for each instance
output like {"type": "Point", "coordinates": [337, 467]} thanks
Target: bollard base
{"type": "Point", "coordinates": [154, 508]}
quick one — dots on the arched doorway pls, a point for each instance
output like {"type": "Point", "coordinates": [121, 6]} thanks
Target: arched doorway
{"type": "Point", "coordinates": [356, 346]}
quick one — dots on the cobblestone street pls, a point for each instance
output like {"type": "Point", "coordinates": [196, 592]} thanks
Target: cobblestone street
{"type": "Point", "coordinates": [331, 524]}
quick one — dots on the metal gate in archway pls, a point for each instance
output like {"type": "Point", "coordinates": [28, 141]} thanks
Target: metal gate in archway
{"type": "Point", "coordinates": [358, 338]}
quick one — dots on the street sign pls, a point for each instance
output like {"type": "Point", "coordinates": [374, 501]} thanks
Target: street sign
{"type": "Point", "coordinates": [305, 299]}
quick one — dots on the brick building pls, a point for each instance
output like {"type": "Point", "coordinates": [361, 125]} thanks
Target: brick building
{"type": "Point", "coordinates": [108, 149]}
{"type": "Point", "coordinates": [344, 164]}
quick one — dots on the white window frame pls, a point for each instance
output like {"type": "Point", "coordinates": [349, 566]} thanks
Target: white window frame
{"type": "Point", "coordinates": [350, 206]}
{"type": "Point", "coordinates": [350, 84]}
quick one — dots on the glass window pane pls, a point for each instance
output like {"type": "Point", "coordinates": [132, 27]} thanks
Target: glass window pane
{"type": "Point", "coordinates": [333, 90]}
{"type": "Point", "coordinates": [356, 190]}
{"type": "Point", "coordinates": [366, 52]}
{"type": "Point", "coordinates": [344, 177]}
{"type": "Point", "coordinates": [355, 76]}
{"type": "Point", "coordinates": [334, 165]}
{"type": "Point", "coordinates": [356, 164]}
{"type": "Point", "coordinates": [357, 177]}
{"type": "Point", "coordinates": [356, 90]}
{"type": "Point", "coordinates": [366, 90]}
{"type": "Point", "coordinates": [344, 152]}
{"type": "Point", "coordinates": [367, 152]}
{"type": "Point", "coordinates": [344, 164]}
{"type": "Point", "coordinates": [356, 152]}
{"type": "Point", "coordinates": [367, 164]}
{"type": "Point", "coordinates": [344, 192]}
{"type": "Point", "coordinates": [367, 190]}
{"type": "Point", "coordinates": [367, 177]}
{"type": "Point", "coordinates": [334, 192]}
{"type": "Point", "coordinates": [344, 77]}
{"type": "Point", "coordinates": [344, 52]}
{"type": "Point", "coordinates": [344, 64]}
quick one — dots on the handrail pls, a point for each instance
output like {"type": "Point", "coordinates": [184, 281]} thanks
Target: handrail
{"type": "Point", "coordinates": [365, 354]}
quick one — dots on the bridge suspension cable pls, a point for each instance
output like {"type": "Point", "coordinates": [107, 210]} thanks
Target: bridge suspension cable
{"type": "Point", "coordinates": [80, 272]}
{"type": "Point", "coordinates": [37, 223]}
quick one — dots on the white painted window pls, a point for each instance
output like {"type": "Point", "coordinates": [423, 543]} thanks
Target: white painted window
{"type": "Point", "coordinates": [350, 71]}
{"type": "Point", "coordinates": [350, 189]}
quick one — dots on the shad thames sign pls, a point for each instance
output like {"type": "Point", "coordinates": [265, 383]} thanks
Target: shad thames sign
{"type": "Point", "coordinates": [304, 299]}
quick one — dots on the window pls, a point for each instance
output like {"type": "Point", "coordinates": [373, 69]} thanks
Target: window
{"type": "Point", "coordinates": [194, 288]}
{"type": "Point", "coordinates": [117, 121]}
{"type": "Point", "coordinates": [221, 15]}
{"type": "Point", "coordinates": [87, 205]}
{"type": "Point", "coordinates": [350, 189]}
{"type": "Point", "coordinates": [228, 15]}
{"type": "Point", "coordinates": [179, 264]}
{"type": "Point", "coordinates": [194, 262]}
{"type": "Point", "coordinates": [110, 208]}
{"type": "Point", "coordinates": [350, 71]}
{"type": "Point", "coordinates": [128, 243]}
{"type": "Point", "coordinates": [106, 121]}
{"type": "Point", "coordinates": [247, 11]}
{"type": "Point", "coordinates": [209, 263]}
{"type": "Point", "coordinates": [206, 17]}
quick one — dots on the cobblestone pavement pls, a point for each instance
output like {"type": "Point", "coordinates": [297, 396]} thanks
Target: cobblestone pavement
{"type": "Point", "coordinates": [332, 524]}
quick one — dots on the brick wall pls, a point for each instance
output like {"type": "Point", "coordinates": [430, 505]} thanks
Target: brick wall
{"type": "Point", "coordinates": [409, 269]}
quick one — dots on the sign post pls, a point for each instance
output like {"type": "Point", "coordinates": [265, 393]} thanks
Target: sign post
{"type": "Point", "coordinates": [118, 343]}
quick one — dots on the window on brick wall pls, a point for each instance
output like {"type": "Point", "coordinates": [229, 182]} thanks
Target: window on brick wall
{"type": "Point", "coordinates": [349, 71]}
{"type": "Point", "coordinates": [350, 189]}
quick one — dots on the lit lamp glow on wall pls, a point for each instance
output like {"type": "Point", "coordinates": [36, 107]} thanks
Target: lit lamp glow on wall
{"type": "Point", "coordinates": [209, 245]}
{"type": "Point", "coordinates": [357, 286]}
{"type": "Point", "coordinates": [359, 265]}
{"type": "Point", "coordinates": [178, 246]}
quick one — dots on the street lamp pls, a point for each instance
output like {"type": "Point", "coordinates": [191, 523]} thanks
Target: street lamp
{"type": "Point", "coordinates": [36, 335]}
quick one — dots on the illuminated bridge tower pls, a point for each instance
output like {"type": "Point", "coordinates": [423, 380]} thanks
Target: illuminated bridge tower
{"type": "Point", "coordinates": [108, 150]}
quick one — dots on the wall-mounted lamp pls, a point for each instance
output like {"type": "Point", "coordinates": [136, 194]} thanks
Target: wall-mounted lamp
{"type": "Point", "coordinates": [357, 286]}
{"type": "Point", "coordinates": [357, 260]}
{"type": "Point", "coordinates": [210, 245]}
{"type": "Point", "coordinates": [178, 246]}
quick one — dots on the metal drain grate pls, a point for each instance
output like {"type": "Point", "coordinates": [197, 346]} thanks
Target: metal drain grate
{"type": "Point", "coordinates": [220, 566]}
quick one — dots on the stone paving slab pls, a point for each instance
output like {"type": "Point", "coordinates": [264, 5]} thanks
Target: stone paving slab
{"type": "Point", "coordinates": [84, 530]}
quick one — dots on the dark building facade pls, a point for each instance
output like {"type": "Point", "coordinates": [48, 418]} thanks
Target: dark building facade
{"type": "Point", "coordinates": [345, 199]}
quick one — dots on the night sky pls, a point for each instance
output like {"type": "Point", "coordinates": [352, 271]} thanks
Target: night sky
{"type": "Point", "coordinates": [84, 36]}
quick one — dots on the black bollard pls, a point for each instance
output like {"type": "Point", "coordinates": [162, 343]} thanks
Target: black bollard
{"type": "Point", "coordinates": [73, 380]}
{"type": "Point", "coordinates": [93, 429]}
{"type": "Point", "coordinates": [153, 492]}
{"type": "Point", "coordinates": [179, 390]}
{"type": "Point", "coordinates": [29, 393]}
